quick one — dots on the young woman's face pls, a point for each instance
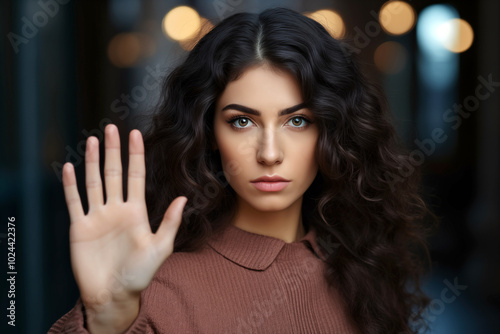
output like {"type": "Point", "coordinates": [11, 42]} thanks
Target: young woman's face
{"type": "Point", "coordinates": [262, 130]}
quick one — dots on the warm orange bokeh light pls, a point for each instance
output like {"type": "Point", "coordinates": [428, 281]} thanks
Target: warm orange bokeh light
{"type": "Point", "coordinates": [181, 23]}
{"type": "Point", "coordinates": [331, 20]}
{"type": "Point", "coordinates": [397, 17]}
{"type": "Point", "coordinates": [124, 49]}
{"type": "Point", "coordinates": [205, 27]}
{"type": "Point", "coordinates": [460, 33]}
{"type": "Point", "coordinates": [390, 57]}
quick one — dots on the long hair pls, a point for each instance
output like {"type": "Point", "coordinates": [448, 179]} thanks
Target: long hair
{"type": "Point", "coordinates": [359, 201]}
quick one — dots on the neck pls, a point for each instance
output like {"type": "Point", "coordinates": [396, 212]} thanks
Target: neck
{"type": "Point", "coordinates": [285, 224]}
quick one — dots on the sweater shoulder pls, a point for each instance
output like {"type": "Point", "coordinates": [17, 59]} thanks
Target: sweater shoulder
{"type": "Point", "coordinates": [180, 265]}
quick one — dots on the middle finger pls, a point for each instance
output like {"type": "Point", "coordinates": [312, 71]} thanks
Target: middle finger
{"type": "Point", "coordinates": [112, 164]}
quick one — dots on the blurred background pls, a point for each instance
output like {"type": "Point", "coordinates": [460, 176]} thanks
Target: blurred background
{"type": "Point", "coordinates": [71, 67]}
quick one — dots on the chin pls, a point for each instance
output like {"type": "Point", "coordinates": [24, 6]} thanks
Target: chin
{"type": "Point", "coordinates": [266, 204]}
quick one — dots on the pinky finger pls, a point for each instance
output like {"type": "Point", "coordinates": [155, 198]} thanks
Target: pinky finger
{"type": "Point", "coordinates": [71, 192]}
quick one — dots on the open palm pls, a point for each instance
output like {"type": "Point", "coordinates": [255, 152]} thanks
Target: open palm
{"type": "Point", "coordinates": [114, 254]}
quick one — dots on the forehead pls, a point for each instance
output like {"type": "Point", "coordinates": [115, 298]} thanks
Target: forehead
{"type": "Point", "coordinates": [264, 86]}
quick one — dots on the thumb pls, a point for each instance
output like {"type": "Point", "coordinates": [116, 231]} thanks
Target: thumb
{"type": "Point", "coordinates": [169, 226]}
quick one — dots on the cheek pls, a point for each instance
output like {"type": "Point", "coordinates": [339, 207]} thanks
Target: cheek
{"type": "Point", "coordinates": [309, 164]}
{"type": "Point", "coordinates": [227, 147]}
{"type": "Point", "coordinates": [305, 154]}
{"type": "Point", "coordinates": [232, 154]}
{"type": "Point", "coordinates": [306, 146]}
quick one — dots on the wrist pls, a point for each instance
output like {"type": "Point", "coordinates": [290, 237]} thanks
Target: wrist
{"type": "Point", "coordinates": [111, 317]}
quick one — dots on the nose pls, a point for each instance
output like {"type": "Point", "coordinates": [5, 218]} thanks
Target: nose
{"type": "Point", "coordinates": [269, 151]}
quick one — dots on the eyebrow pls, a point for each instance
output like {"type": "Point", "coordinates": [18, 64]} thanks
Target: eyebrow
{"type": "Point", "coordinates": [251, 111]}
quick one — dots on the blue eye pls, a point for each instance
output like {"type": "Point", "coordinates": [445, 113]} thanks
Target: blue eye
{"type": "Point", "coordinates": [240, 122]}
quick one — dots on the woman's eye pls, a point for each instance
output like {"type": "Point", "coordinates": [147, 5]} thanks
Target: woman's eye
{"type": "Point", "coordinates": [298, 122]}
{"type": "Point", "coordinates": [244, 122]}
{"type": "Point", "coordinates": [241, 122]}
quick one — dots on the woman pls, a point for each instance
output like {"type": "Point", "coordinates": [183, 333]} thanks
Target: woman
{"type": "Point", "coordinates": [297, 218]}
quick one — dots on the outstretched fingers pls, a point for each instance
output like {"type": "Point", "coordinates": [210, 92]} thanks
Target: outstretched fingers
{"type": "Point", "coordinates": [137, 168]}
{"type": "Point", "coordinates": [71, 193]}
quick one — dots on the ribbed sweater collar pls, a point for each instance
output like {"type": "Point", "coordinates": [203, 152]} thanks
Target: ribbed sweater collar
{"type": "Point", "coordinates": [256, 251]}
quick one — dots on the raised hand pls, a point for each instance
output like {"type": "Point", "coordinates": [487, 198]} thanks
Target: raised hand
{"type": "Point", "coordinates": [114, 254]}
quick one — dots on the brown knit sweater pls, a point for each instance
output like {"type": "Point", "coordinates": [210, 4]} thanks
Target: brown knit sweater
{"type": "Point", "coordinates": [240, 282]}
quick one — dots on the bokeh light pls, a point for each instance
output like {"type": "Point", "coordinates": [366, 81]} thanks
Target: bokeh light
{"type": "Point", "coordinates": [397, 17]}
{"type": "Point", "coordinates": [457, 35]}
{"type": "Point", "coordinates": [205, 27]}
{"type": "Point", "coordinates": [127, 49]}
{"type": "Point", "coordinates": [432, 34]}
{"type": "Point", "coordinates": [331, 20]}
{"type": "Point", "coordinates": [390, 57]}
{"type": "Point", "coordinates": [124, 50]}
{"type": "Point", "coordinates": [181, 23]}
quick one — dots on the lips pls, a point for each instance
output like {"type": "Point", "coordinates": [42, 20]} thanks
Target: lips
{"type": "Point", "coordinates": [270, 183]}
{"type": "Point", "coordinates": [270, 178]}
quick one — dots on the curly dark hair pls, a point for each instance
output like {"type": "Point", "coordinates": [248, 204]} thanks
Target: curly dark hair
{"type": "Point", "coordinates": [359, 201]}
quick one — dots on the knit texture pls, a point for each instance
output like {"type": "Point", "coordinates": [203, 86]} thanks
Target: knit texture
{"type": "Point", "coordinates": [240, 282]}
